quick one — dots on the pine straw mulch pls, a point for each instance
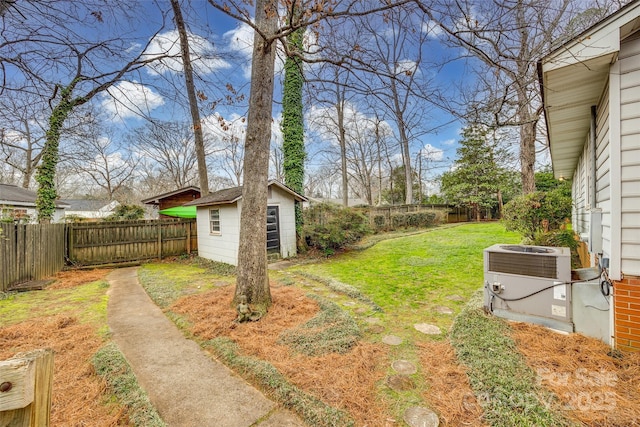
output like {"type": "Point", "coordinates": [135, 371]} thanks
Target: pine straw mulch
{"type": "Point", "coordinates": [72, 278]}
{"type": "Point", "coordinates": [346, 381]}
{"type": "Point", "coordinates": [78, 393]}
{"type": "Point", "coordinates": [449, 390]}
{"type": "Point", "coordinates": [593, 387]}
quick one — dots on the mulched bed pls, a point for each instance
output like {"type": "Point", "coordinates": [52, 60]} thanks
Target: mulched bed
{"type": "Point", "coordinates": [347, 381]}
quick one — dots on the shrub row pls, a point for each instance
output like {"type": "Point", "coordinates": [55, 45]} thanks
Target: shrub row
{"type": "Point", "coordinates": [329, 227]}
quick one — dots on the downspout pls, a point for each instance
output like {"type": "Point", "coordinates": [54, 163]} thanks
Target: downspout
{"type": "Point", "coordinates": [592, 148]}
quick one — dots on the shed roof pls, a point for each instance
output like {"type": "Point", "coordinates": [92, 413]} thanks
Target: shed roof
{"type": "Point", "coordinates": [13, 195]}
{"type": "Point", "coordinates": [573, 78]}
{"type": "Point", "coordinates": [233, 194]}
{"type": "Point", "coordinates": [155, 200]}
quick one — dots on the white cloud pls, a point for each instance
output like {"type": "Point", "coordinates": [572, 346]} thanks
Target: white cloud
{"type": "Point", "coordinates": [432, 153]}
{"type": "Point", "coordinates": [449, 142]}
{"type": "Point", "coordinates": [240, 41]}
{"type": "Point", "coordinates": [406, 66]}
{"type": "Point", "coordinates": [432, 29]}
{"type": "Point", "coordinates": [130, 99]}
{"type": "Point", "coordinates": [204, 58]}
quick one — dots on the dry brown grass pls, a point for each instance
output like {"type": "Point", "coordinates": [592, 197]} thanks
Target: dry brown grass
{"type": "Point", "coordinates": [72, 278]}
{"type": "Point", "coordinates": [449, 389]}
{"type": "Point", "coordinates": [346, 381]}
{"type": "Point", "coordinates": [78, 393]}
{"type": "Point", "coordinates": [593, 387]}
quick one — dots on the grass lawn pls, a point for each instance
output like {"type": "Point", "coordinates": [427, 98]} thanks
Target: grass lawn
{"type": "Point", "coordinates": [412, 277]}
{"type": "Point", "coordinates": [321, 351]}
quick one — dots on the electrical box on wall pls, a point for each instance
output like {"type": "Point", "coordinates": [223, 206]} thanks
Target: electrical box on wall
{"type": "Point", "coordinates": [595, 232]}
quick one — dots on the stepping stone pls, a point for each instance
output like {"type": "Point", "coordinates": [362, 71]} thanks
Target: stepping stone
{"type": "Point", "coordinates": [372, 320]}
{"type": "Point", "coordinates": [400, 382]}
{"type": "Point", "coordinates": [361, 310]}
{"type": "Point", "coordinates": [455, 298]}
{"type": "Point", "coordinates": [333, 296]}
{"type": "Point", "coordinates": [376, 329]}
{"type": "Point", "coordinates": [349, 303]}
{"type": "Point", "coordinates": [443, 310]}
{"type": "Point", "coordinates": [392, 340]}
{"type": "Point", "coordinates": [404, 367]}
{"type": "Point", "coordinates": [427, 329]}
{"type": "Point", "coordinates": [220, 284]}
{"type": "Point", "coordinates": [419, 416]}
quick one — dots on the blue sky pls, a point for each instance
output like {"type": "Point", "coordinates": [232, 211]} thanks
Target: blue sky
{"type": "Point", "coordinates": [231, 40]}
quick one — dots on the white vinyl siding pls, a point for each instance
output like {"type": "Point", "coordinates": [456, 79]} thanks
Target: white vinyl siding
{"type": "Point", "coordinates": [603, 173]}
{"type": "Point", "coordinates": [223, 246]}
{"type": "Point", "coordinates": [630, 154]}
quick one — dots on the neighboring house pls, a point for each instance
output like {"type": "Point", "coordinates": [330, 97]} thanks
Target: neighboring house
{"type": "Point", "coordinates": [218, 222]}
{"type": "Point", "coordinates": [591, 93]}
{"type": "Point", "coordinates": [173, 199]}
{"type": "Point", "coordinates": [20, 204]}
{"type": "Point", "coordinates": [91, 209]}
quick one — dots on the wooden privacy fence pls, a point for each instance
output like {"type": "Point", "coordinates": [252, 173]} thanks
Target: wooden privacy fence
{"type": "Point", "coordinates": [30, 252]}
{"type": "Point", "coordinates": [113, 242]}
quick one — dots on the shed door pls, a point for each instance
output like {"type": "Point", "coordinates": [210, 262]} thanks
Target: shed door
{"type": "Point", "coordinates": [273, 229]}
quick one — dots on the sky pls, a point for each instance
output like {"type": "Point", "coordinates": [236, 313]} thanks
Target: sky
{"type": "Point", "coordinates": [221, 49]}
{"type": "Point", "coordinates": [225, 48]}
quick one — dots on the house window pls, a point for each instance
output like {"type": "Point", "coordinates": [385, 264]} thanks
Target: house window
{"type": "Point", "coordinates": [214, 221]}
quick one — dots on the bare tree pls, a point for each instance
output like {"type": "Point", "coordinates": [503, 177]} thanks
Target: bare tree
{"type": "Point", "coordinates": [228, 140]}
{"type": "Point", "coordinates": [397, 40]}
{"type": "Point", "coordinates": [193, 100]}
{"type": "Point", "coordinates": [505, 38]}
{"type": "Point", "coordinates": [166, 149]}
{"type": "Point", "coordinates": [101, 159]}
{"type": "Point", "coordinates": [23, 134]}
{"type": "Point", "coordinates": [252, 279]}
{"type": "Point", "coordinates": [66, 53]}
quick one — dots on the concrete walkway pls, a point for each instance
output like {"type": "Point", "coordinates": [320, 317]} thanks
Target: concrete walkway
{"type": "Point", "coordinates": [187, 387]}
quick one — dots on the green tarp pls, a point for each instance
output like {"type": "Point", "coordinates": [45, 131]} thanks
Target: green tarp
{"type": "Point", "coordinates": [180, 211]}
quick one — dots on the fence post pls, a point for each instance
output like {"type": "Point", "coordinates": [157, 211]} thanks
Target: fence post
{"type": "Point", "coordinates": [188, 227]}
{"type": "Point", "coordinates": [26, 382]}
{"type": "Point", "coordinates": [159, 239]}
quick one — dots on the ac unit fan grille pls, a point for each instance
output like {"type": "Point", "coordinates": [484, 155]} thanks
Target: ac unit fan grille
{"type": "Point", "coordinates": [523, 264]}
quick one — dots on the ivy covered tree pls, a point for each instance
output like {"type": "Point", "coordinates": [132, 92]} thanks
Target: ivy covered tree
{"type": "Point", "coordinates": [476, 176]}
{"type": "Point", "coordinates": [292, 120]}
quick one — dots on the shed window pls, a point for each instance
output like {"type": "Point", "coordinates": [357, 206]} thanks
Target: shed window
{"type": "Point", "coordinates": [214, 220]}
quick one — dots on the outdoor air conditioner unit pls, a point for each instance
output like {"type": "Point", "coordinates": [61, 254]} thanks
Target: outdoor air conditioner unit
{"type": "Point", "coordinates": [529, 284]}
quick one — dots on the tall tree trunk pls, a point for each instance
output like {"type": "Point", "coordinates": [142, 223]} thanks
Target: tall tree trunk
{"type": "Point", "coordinates": [193, 100]}
{"type": "Point", "coordinates": [252, 278]}
{"type": "Point", "coordinates": [528, 156]}
{"type": "Point", "coordinates": [342, 139]}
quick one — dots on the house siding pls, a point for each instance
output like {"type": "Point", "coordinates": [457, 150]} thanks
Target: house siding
{"type": "Point", "coordinates": [627, 289]}
{"type": "Point", "coordinates": [630, 154]}
{"type": "Point", "coordinates": [582, 179]}
{"type": "Point", "coordinates": [221, 247]}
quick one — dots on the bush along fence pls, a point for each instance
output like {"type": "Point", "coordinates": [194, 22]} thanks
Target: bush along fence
{"type": "Point", "coordinates": [386, 218]}
{"type": "Point", "coordinates": [30, 252]}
